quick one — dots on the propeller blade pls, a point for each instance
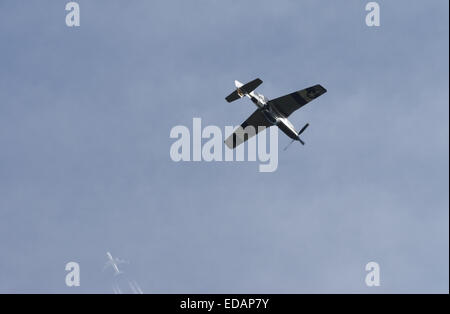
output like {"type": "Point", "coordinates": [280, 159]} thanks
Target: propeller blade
{"type": "Point", "coordinates": [303, 129]}
{"type": "Point", "coordinates": [288, 145]}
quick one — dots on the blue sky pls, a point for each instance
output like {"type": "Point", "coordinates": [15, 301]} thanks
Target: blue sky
{"type": "Point", "coordinates": [85, 117]}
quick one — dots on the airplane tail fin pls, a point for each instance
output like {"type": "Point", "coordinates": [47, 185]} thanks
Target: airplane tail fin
{"type": "Point", "coordinates": [243, 89]}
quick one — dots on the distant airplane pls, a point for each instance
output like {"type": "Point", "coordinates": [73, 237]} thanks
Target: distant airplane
{"type": "Point", "coordinates": [270, 112]}
{"type": "Point", "coordinates": [113, 262]}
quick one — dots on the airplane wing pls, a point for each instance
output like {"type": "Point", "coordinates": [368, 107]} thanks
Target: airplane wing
{"type": "Point", "coordinates": [239, 136]}
{"type": "Point", "coordinates": [287, 104]}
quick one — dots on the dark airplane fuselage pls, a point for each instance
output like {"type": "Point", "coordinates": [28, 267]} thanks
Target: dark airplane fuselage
{"type": "Point", "coordinates": [273, 116]}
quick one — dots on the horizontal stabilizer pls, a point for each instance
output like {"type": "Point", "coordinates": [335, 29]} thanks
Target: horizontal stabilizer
{"type": "Point", "coordinates": [233, 96]}
{"type": "Point", "coordinates": [250, 86]}
{"type": "Point", "coordinates": [243, 90]}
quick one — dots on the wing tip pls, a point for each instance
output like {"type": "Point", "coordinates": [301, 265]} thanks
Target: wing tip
{"type": "Point", "coordinates": [322, 89]}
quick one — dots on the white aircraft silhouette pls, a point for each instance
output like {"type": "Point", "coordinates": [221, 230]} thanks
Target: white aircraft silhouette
{"type": "Point", "coordinates": [113, 262]}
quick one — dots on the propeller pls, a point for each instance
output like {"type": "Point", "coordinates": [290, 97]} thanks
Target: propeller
{"type": "Point", "coordinates": [301, 131]}
{"type": "Point", "coordinates": [299, 139]}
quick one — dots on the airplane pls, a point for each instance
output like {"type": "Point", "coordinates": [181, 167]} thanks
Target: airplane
{"type": "Point", "coordinates": [270, 112]}
{"type": "Point", "coordinates": [113, 262]}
